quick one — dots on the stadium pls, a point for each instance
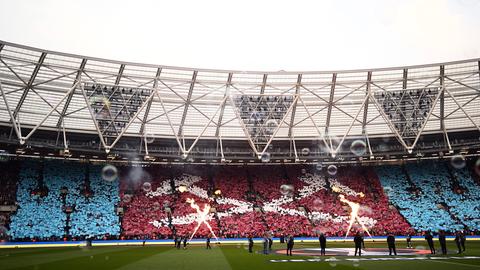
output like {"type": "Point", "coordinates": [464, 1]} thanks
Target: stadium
{"type": "Point", "coordinates": [110, 164]}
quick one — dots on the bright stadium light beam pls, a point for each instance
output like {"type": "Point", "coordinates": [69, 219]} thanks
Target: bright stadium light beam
{"type": "Point", "coordinates": [353, 215]}
{"type": "Point", "coordinates": [202, 216]}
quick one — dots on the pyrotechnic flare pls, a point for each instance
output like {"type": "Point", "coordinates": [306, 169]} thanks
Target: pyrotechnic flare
{"type": "Point", "coordinates": [353, 215]}
{"type": "Point", "coordinates": [202, 216]}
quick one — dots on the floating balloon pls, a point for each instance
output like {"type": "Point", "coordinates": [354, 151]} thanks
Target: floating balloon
{"type": "Point", "coordinates": [286, 190]}
{"type": "Point", "coordinates": [271, 125]}
{"type": "Point", "coordinates": [458, 162]}
{"type": "Point", "coordinates": [147, 187]}
{"type": "Point", "coordinates": [332, 261]}
{"type": "Point", "coordinates": [319, 166]}
{"type": "Point", "coordinates": [358, 147]}
{"type": "Point", "coordinates": [387, 189]}
{"type": "Point", "coordinates": [156, 206]}
{"type": "Point", "coordinates": [332, 170]}
{"type": "Point", "coordinates": [149, 138]}
{"type": "Point", "coordinates": [265, 157]}
{"type": "Point", "coordinates": [317, 204]}
{"type": "Point", "coordinates": [305, 151]}
{"type": "Point", "coordinates": [127, 198]}
{"type": "Point", "coordinates": [109, 173]}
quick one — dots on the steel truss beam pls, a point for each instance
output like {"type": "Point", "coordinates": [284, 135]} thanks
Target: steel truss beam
{"type": "Point", "coordinates": [227, 92]}
{"type": "Point", "coordinates": [180, 145]}
{"type": "Point", "coordinates": [310, 116]}
{"type": "Point", "coordinates": [187, 103]}
{"type": "Point", "coordinates": [462, 109]}
{"type": "Point", "coordinates": [297, 92]}
{"type": "Point", "coordinates": [330, 104]}
{"type": "Point", "coordinates": [365, 113]}
{"type": "Point", "coordinates": [69, 98]}
{"type": "Point", "coordinates": [220, 117]}
{"type": "Point", "coordinates": [442, 109]}
{"type": "Point", "coordinates": [335, 151]}
{"type": "Point", "coordinates": [16, 127]}
{"type": "Point", "coordinates": [147, 111]}
{"type": "Point", "coordinates": [279, 126]}
{"type": "Point", "coordinates": [122, 132]}
{"type": "Point", "coordinates": [264, 83]}
{"type": "Point", "coordinates": [52, 110]}
{"type": "Point", "coordinates": [365, 110]}
{"type": "Point", "coordinates": [29, 84]}
{"type": "Point", "coordinates": [206, 125]}
{"type": "Point", "coordinates": [442, 99]}
{"type": "Point", "coordinates": [409, 148]}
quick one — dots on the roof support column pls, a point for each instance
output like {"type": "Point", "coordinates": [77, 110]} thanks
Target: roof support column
{"type": "Point", "coordinates": [294, 109]}
{"type": "Point", "coordinates": [185, 109]}
{"type": "Point", "coordinates": [442, 98]}
{"type": "Point", "coordinates": [264, 83]}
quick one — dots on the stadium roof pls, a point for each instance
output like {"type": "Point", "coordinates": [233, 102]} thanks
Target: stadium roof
{"type": "Point", "coordinates": [46, 90]}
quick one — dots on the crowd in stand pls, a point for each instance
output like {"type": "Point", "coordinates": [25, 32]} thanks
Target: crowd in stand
{"type": "Point", "coordinates": [425, 195]}
{"type": "Point", "coordinates": [55, 202]}
{"type": "Point", "coordinates": [58, 200]}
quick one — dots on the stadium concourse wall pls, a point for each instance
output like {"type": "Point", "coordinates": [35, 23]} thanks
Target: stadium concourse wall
{"type": "Point", "coordinates": [199, 241]}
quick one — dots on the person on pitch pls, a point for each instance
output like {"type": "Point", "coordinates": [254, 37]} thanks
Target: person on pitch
{"type": "Point", "coordinates": [185, 242]}
{"type": "Point", "coordinates": [208, 242]}
{"type": "Point", "coordinates": [323, 244]}
{"type": "Point", "coordinates": [290, 243]}
{"type": "Point", "coordinates": [458, 241]}
{"type": "Point", "coordinates": [443, 242]}
{"type": "Point", "coordinates": [462, 242]}
{"type": "Point", "coordinates": [265, 244]}
{"type": "Point", "coordinates": [175, 240]}
{"type": "Point", "coordinates": [270, 243]}
{"type": "Point", "coordinates": [250, 244]}
{"type": "Point", "coordinates": [429, 238]}
{"type": "Point", "coordinates": [409, 241]}
{"type": "Point", "coordinates": [358, 240]}
{"type": "Point", "coordinates": [391, 244]}
{"type": "Point", "coordinates": [179, 242]}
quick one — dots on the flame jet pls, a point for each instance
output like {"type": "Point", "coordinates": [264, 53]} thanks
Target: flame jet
{"type": "Point", "coordinates": [202, 216]}
{"type": "Point", "coordinates": [353, 215]}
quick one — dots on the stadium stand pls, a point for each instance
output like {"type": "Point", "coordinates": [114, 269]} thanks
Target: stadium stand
{"type": "Point", "coordinates": [40, 213]}
{"type": "Point", "coordinates": [59, 199]}
{"type": "Point", "coordinates": [424, 194]}
{"type": "Point", "coordinates": [95, 214]}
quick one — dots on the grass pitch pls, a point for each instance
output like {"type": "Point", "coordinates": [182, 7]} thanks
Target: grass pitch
{"type": "Point", "coordinates": [225, 257]}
